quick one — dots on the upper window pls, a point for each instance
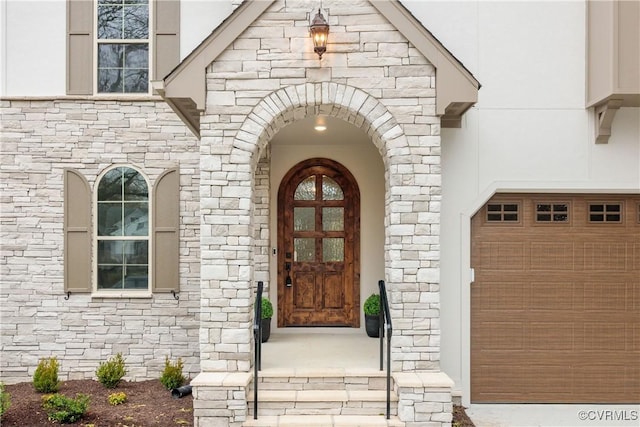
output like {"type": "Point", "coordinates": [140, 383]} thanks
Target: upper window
{"type": "Point", "coordinates": [123, 230]}
{"type": "Point", "coordinates": [123, 46]}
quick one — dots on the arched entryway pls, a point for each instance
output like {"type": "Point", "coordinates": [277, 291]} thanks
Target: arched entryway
{"type": "Point", "coordinates": [318, 246]}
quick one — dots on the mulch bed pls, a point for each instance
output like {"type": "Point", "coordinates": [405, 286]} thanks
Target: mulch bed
{"type": "Point", "coordinates": [148, 404]}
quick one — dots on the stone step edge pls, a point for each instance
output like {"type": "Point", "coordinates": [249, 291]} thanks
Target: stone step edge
{"type": "Point", "coordinates": [323, 396]}
{"type": "Point", "coordinates": [320, 373]}
{"type": "Point", "coordinates": [324, 421]}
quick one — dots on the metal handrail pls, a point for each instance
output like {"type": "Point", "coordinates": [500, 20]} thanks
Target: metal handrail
{"type": "Point", "coordinates": [257, 338]}
{"type": "Point", "coordinates": [386, 325]}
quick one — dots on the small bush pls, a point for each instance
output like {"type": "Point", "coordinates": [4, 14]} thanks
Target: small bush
{"type": "Point", "coordinates": [110, 373]}
{"type": "Point", "coordinates": [267, 309]}
{"type": "Point", "coordinates": [45, 378]}
{"type": "Point", "coordinates": [5, 399]}
{"type": "Point", "coordinates": [372, 305]}
{"type": "Point", "coordinates": [65, 409]}
{"type": "Point", "coordinates": [117, 398]}
{"type": "Point", "coordinates": [172, 375]}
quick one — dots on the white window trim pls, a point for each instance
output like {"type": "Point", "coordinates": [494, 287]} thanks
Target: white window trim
{"type": "Point", "coordinates": [150, 58]}
{"type": "Point", "coordinates": [119, 293]}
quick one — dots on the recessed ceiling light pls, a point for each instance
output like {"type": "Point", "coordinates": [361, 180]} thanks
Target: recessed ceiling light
{"type": "Point", "coordinates": [320, 125]}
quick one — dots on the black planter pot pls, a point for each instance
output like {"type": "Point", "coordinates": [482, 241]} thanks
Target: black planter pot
{"type": "Point", "coordinates": [372, 325]}
{"type": "Point", "coordinates": [266, 329]}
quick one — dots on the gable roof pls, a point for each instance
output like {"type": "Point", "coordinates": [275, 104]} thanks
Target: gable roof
{"type": "Point", "coordinates": [184, 88]}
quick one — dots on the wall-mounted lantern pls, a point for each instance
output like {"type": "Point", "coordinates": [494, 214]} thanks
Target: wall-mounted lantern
{"type": "Point", "coordinates": [319, 30]}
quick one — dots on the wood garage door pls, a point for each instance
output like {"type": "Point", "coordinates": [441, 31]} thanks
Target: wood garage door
{"type": "Point", "coordinates": [555, 305]}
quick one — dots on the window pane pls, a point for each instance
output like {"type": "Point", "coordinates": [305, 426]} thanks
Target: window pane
{"type": "Point", "coordinates": [136, 252]}
{"type": "Point", "coordinates": [136, 278]}
{"type": "Point", "coordinates": [110, 187]}
{"type": "Point", "coordinates": [136, 22]}
{"type": "Point", "coordinates": [135, 187]}
{"type": "Point", "coordinates": [304, 249]}
{"type": "Point", "coordinates": [110, 251]}
{"type": "Point", "coordinates": [306, 189]}
{"type": "Point", "coordinates": [333, 219]}
{"type": "Point", "coordinates": [109, 277]}
{"type": "Point", "coordinates": [136, 81]}
{"type": "Point", "coordinates": [110, 219]}
{"type": "Point", "coordinates": [136, 56]}
{"type": "Point", "coordinates": [331, 190]}
{"type": "Point", "coordinates": [110, 21]}
{"type": "Point", "coordinates": [110, 80]}
{"type": "Point", "coordinates": [333, 249]}
{"type": "Point", "coordinates": [136, 219]}
{"type": "Point", "coordinates": [304, 219]}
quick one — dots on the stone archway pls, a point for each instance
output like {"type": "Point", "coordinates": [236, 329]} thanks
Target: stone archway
{"type": "Point", "coordinates": [412, 197]}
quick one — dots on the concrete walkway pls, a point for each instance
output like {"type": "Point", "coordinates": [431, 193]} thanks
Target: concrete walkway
{"type": "Point", "coordinates": [530, 415]}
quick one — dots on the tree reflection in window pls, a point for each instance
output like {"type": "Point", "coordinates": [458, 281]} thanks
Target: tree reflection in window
{"type": "Point", "coordinates": [123, 46]}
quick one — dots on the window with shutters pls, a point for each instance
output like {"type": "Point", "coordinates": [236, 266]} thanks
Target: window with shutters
{"type": "Point", "coordinates": [122, 230]}
{"type": "Point", "coordinates": [123, 46]}
{"type": "Point", "coordinates": [130, 245]}
{"type": "Point", "coordinates": [119, 46]}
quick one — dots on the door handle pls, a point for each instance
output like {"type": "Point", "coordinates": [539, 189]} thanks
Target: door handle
{"type": "Point", "coordinates": [288, 282]}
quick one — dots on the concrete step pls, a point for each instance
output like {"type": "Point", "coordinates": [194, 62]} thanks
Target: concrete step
{"type": "Point", "coordinates": [324, 421]}
{"type": "Point", "coordinates": [323, 402]}
{"type": "Point", "coordinates": [322, 379]}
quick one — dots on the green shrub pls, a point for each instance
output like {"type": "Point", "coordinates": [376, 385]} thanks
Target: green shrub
{"type": "Point", "coordinates": [65, 409]}
{"type": "Point", "coordinates": [5, 399]}
{"type": "Point", "coordinates": [267, 309]}
{"type": "Point", "coordinates": [172, 375]}
{"type": "Point", "coordinates": [117, 398]}
{"type": "Point", "coordinates": [372, 305]}
{"type": "Point", "coordinates": [45, 378]}
{"type": "Point", "coordinates": [110, 373]}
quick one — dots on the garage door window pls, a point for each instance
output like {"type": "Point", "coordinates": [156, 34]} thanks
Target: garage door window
{"type": "Point", "coordinates": [503, 213]}
{"type": "Point", "coordinates": [605, 212]}
{"type": "Point", "coordinates": [552, 213]}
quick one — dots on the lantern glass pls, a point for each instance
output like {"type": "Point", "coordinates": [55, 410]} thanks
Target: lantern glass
{"type": "Point", "coordinates": [319, 30]}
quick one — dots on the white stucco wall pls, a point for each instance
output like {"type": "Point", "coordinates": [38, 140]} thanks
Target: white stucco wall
{"type": "Point", "coordinates": [33, 47]}
{"type": "Point", "coordinates": [528, 131]}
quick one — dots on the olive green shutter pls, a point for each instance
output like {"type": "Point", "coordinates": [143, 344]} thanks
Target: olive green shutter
{"type": "Point", "coordinates": [80, 47]}
{"type": "Point", "coordinates": [77, 232]}
{"type": "Point", "coordinates": [167, 37]}
{"type": "Point", "coordinates": [166, 232]}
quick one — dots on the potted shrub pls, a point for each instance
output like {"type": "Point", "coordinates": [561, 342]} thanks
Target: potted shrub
{"type": "Point", "coordinates": [267, 313]}
{"type": "Point", "coordinates": [372, 315]}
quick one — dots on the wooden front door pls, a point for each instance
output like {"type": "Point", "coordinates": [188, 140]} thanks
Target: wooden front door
{"type": "Point", "coordinates": [319, 246]}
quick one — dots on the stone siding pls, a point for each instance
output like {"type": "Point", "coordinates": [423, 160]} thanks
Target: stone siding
{"type": "Point", "coordinates": [371, 77]}
{"type": "Point", "coordinates": [39, 139]}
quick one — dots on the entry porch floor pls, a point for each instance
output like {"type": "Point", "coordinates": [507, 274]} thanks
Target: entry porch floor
{"type": "Point", "coordinates": [325, 350]}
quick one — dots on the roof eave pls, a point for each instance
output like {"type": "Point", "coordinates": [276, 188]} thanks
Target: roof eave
{"type": "Point", "coordinates": [456, 88]}
{"type": "Point", "coordinates": [184, 89]}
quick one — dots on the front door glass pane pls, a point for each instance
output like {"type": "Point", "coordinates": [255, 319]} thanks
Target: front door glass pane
{"type": "Point", "coordinates": [306, 189]}
{"type": "Point", "coordinates": [332, 219]}
{"type": "Point", "coordinates": [331, 190]}
{"type": "Point", "coordinates": [333, 249]}
{"type": "Point", "coordinates": [304, 219]}
{"type": "Point", "coordinates": [305, 249]}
